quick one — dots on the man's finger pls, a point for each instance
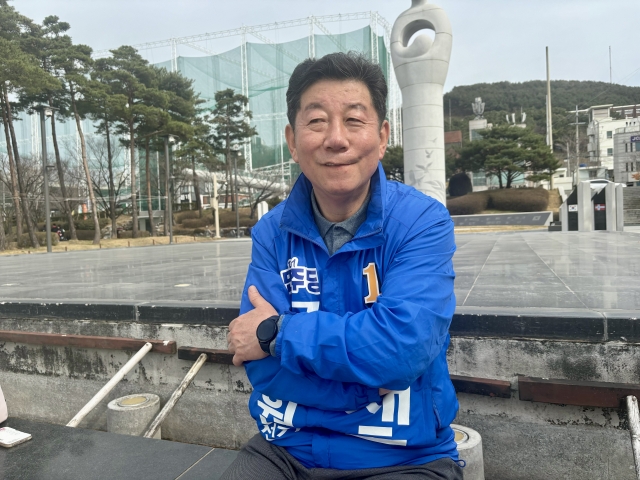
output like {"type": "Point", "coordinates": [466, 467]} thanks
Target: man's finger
{"type": "Point", "coordinates": [255, 298]}
{"type": "Point", "coordinates": [236, 361]}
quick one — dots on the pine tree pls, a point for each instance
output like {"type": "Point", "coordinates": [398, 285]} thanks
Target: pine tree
{"type": "Point", "coordinates": [508, 152]}
{"type": "Point", "coordinates": [231, 123]}
{"type": "Point", "coordinates": [20, 75]}
{"type": "Point", "coordinates": [76, 62]}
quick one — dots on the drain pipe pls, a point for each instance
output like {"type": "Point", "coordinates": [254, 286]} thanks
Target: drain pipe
{"type": "Point", "coordinates": [104, 391]}
{"type": "Point", "coordinates": [634, 429]}
{"type": "Point", "coordinates": [176, 396]}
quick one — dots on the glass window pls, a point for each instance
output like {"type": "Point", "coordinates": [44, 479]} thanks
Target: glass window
{"type": "Point", "coordinates": [626, 147]}
{"type": "Point", "coordinates": [610, 134]}
{"type": "Point", "coordinates": [609, 151]}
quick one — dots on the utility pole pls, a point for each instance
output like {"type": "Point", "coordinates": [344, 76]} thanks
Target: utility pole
{"type": "Point", "coordinates": [577, 124]}
{"type": "Point", "coordinates": [235, 188]}
{"type": "Point", "coordinates": [46, 111]}
{"type": "Point", "coordinates": [549, 115]}
{"type": "Point", "coordinates": [168, 205]}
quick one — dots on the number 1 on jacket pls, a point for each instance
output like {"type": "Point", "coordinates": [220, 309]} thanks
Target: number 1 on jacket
{"type": "Point", "coordinates": [372, 282]}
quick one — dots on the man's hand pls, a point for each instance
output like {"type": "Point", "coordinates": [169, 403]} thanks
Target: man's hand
{"type": "Point", "coordinates": [242, 340]}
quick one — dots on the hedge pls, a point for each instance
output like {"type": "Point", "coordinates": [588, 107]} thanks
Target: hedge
{"type": "Point", "coordinates": [520, 199]}
{"type": "Point", "coordinates": [180, 217]}
{"type": "Point", "coordinates": [197, 222]}
{"type": "Point", "coordinates": [25, 242]}
{"type": "Point", "coordinates": [88, 224]}
{"type": "Point", "coordinates": [85, 234]}
{"type": "Point", "coordinates": [508, 199]}
{"type": "Point", "coordinates": [470, 204]}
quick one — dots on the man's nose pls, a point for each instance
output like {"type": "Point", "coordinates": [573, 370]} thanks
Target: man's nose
{"type": "Point", "coordinates": [336, 138]}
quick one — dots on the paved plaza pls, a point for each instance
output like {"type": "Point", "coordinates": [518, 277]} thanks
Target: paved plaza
{"type": "Point", "coordinates": [594, 271]}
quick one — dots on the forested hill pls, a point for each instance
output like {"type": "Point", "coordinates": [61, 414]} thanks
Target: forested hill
{"type": "Point", "coordinates": [510, 97]}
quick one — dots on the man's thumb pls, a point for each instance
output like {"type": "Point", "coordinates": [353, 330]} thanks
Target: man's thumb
{"type": "Point", "coordinates": [254, 297]}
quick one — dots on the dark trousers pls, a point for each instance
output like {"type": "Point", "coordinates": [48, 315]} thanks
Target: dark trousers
{"type": "Point", "coordinates": [260, 460]}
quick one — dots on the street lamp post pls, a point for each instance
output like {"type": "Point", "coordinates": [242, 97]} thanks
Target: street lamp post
{"type": "Point", "coordinates": [235, 185]}
{"type": "Point", "coordinates": [46, 111]}
{"type": "Point", "coordinates": [168, 139]}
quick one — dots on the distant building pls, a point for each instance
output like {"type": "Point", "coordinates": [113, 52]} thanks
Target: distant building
{"type": "Point", "coordinates": [601, 130]}
{"type": "Point", "coordinates": [453, 139]}
{"type": "Point", "coordinates": [626, 153]}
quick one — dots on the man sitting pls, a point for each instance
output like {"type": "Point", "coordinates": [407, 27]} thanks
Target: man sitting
{"type": "Point", "coordinates": [348, 301]}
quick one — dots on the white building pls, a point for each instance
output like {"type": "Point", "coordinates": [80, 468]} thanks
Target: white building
{"type": "Point", "coordinates": [601, 129]}
{"type": "Point", "coordinates": [626, 153]}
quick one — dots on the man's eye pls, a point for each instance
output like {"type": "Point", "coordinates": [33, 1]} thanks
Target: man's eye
{"type": "Point", "coordinates": [354, 120]}
{"type": "Point", "coordinates": [316, 120]}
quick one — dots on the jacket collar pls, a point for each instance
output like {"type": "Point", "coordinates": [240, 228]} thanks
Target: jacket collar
{"type": "Point", "coordinates": [297, 216]}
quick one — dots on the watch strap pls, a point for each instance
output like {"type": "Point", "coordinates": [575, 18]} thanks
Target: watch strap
{"type": "Point", "coordinates": [272, 345]}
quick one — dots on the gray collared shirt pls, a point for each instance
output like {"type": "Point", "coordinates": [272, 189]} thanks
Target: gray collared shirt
{"type": "Point", "coordinates": [335, 235]}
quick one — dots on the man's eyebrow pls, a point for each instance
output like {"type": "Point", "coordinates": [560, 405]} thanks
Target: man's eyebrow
{"type": "Point", "coordinates": [357, 106]}
{"type": "Point", "coordinates": [350, 106]}
{"type": "Point", "coordinates": [313, 106]}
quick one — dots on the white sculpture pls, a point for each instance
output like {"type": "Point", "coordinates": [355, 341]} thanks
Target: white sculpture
{"type": "Point", "coordinates": [421, 70]}
{"type": "Point", "coordinates": [478, 108]}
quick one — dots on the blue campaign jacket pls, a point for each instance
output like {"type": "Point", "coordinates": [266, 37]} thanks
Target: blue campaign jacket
{"type": "Point", "coordinates": [373, 315]}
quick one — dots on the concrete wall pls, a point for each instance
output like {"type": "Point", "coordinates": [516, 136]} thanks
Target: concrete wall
{"type": "Point", "coordinates": [52, 384]}
{"type": "Point", "coordinates": [522, 440]}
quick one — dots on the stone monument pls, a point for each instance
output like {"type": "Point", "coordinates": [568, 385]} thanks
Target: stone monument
{"type": "Point", "coordinates": [421, 69]}
{"type": "Point", "coordinates": [478, 123]}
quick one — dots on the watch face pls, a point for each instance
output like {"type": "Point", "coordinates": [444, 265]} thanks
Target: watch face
{"type": "Point", "coordinates": [267, 330]}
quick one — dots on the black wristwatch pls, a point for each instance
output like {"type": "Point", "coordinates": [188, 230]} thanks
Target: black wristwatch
{"type": "Point", "coordinates": [266, 332]}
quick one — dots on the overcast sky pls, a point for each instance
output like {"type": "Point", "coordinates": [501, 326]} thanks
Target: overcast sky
{"type": "Point", "coordinates": [494, 40]}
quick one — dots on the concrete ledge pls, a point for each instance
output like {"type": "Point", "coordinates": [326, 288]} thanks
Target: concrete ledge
{"type": "Point", "coordinates": [571, 324]}
{"type": "Point", "coordinates": [542, 323]}
{"type": "Point", "coordinates": [583, 394]}
{"type": "Point", "coordinates": [481, 386]}
{"type": "Point", "coordinates": [210, 313]}
{"type": "Point", "coordinates": [86, 341]}
{"type": "Point", "coordinates": [224, 357]}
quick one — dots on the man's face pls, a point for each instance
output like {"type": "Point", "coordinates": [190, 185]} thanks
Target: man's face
{"type": "Point", "coordinates": [338, 139]}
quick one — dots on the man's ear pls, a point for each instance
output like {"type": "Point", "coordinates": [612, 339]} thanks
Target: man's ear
{"type": "Point", "coordinates": [290, 136]}
{"type": "Point", "coordinates": [385, 131]}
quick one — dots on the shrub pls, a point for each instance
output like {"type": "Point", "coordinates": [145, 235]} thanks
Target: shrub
{"type": "Point", "coordinates": [129, 233]}
{"type": "Point", "coordinates": [459, 185]}
{"type": "Point", "coordinates": [85, 234]}
{"type": "Point", "coordinates": [520, 199]}
{"type": "Point", "coordinates": [180, 217]}
{"type": "Point", "coordinates": [470, 204]}
{"type": "Point", "coordinates": [88, 224]}
{"type": "Point", "coordinates": [197, 222]}
{"type": "Point", "coordinates": [25, 242]}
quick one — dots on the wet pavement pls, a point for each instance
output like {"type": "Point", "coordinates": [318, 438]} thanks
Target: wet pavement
{"type": "Point", "coordinates": [592, 271]}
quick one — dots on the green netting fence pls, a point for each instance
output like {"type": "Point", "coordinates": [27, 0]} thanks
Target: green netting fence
{"type": "Point", "coordinates": [268, 68]}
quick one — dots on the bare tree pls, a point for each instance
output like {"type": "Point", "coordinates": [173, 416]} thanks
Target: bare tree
{"type": "Point", "coordinates": [261, 188]}
{"type": "Point", "coordinates": [108, 176]}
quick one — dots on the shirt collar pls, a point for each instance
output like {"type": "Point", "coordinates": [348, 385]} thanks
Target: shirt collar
{"type": "Point", "coordinates": [351, 224]}
{"type": "Point", "coordinates": [297, 216]}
